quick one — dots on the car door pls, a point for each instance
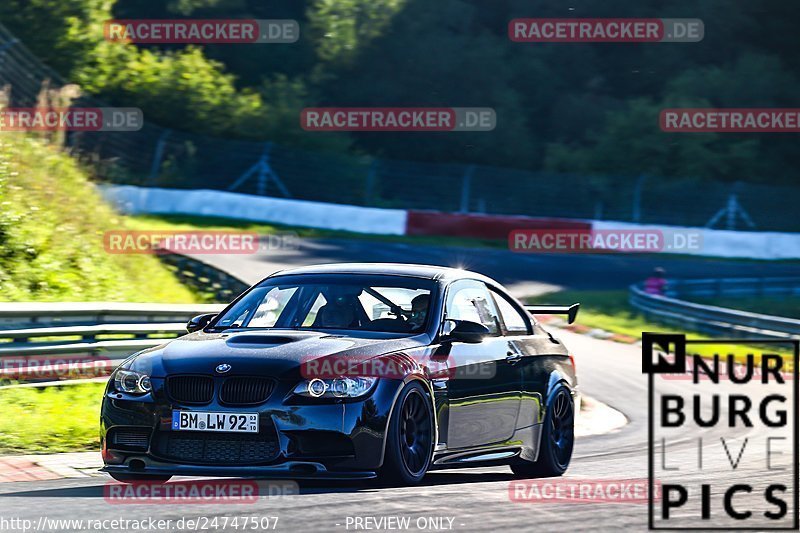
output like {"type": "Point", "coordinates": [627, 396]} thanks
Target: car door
{"type": "Point", "coordinates": [483, 388]}
{"type": "Point", "coordinates": [519, 332]}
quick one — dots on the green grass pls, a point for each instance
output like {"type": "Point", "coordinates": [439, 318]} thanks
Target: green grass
{"type": "Point", "coordinates": [599, 309]}
{"type": "Point", "coordinates": [50, 420]}
{"type": "Point", "coordinates": [610, 311]}
{"type": "Point", "coordinates": [52, 222]}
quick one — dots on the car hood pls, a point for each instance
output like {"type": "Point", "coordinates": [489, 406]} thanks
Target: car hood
{"type": "Point", "coordinates": [277, 353]}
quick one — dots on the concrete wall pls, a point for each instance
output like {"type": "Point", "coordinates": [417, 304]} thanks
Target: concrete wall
{"type": "Point", "coordinates": [130, 199]}
{"type": "Point", "coordinates": [712, 242]}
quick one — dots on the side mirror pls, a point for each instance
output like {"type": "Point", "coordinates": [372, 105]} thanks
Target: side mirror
{"type": "Point", "coordinates": [199, 322]}
{"type": "Point", "coordinates": [465, 331]}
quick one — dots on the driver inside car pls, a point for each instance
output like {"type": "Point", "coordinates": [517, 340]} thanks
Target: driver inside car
{"type": "Point", "coordinates": [342, 310]}
{"type": "Point", "coordinates": [419, 311]}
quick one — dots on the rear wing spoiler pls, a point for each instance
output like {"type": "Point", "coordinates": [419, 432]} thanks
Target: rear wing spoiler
{"type": "Point", "coordinates": [570, 310]}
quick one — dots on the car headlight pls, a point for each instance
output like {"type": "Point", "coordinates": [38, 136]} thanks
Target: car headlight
{"type": "Point", "coordinates": [335, 388]}
{"type": "Point", "coordinates": [132, 382]}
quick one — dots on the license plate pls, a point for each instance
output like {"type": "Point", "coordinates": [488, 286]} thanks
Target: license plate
{"type": "Point", "coordinates": [206, 421]}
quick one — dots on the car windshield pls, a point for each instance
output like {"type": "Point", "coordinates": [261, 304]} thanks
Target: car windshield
{"type": "Point", "coordinates": [391, 304]}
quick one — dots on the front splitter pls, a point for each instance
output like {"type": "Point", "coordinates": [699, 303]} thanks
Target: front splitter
{"type": "Point", "coordinates": [287, 470]}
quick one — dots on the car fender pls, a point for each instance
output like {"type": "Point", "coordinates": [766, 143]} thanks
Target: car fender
{"type": "Point", "coordinates": [400, 386]}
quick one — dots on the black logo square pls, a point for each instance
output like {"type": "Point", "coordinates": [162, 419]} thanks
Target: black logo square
{"type": "Point", "coordinates": [656, 348]}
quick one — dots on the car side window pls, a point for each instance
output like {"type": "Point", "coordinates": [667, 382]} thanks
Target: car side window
{"type": "Point", "coordinates": [472, 301]}
{"type": "Point", "coordinates": [515, 322]}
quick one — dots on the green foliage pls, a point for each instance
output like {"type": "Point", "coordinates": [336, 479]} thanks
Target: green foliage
{"type": "Point", "coordinates": [52, 222]}
{"type": "Point", "coordinates": [581, 108]}
{"type": "Point", "coordinates": [56, 31]}
{"type": "Point", "coordinates": [183, 89]}
{"type": "Point", "coordinates": [50, 420]}
{"type": "Point", "coordinates": [188, 7]}
{"type": "Point", "coordinates": [398, 69]}
{"type": "Point", "coordinates": [628, 144]}
{"type": "Point", "coordinates": [344, 27]}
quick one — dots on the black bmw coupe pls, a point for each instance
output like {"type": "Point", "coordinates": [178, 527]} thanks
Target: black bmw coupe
{"type": "Point", "coordinates": [348, 371]}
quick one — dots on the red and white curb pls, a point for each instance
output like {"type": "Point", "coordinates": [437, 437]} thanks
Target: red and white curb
{"type": "Point", "coordinates": [597, 418]}
{"type": "Point", "coordinates": [53, 466]}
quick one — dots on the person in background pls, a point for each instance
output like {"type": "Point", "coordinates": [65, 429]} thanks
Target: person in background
{"type": "Point", "coordinates": [656, 283]}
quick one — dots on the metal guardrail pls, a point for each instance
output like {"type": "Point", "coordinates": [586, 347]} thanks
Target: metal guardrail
{"type": "Point", "coordinates": [92, 332]}
{"type": "Point", "coordinates": [734, 287]}
{"type": "Point", "coordinates": [715, 320]}
{"type": "Point", "coordinates": [86, 340]}
{"type": "Point", "coordinates": [39, 340]}
{"type": "Point", "coordinates": [34, 336]}
{"type": "Point", "coordinates": [40, 315]}
{"type": "Point", "coordinates": [204, 277]}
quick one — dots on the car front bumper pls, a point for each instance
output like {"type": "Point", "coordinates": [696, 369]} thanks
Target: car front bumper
{"type": "Point", "coordinates": [297, 438]}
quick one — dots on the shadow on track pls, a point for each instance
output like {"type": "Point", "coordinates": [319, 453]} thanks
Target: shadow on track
{"type": "Point", "coordinates": [436, 478]}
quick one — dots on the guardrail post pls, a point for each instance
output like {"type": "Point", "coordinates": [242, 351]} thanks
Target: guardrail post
{"type": "Point", "coordinates": [369, 187]}
{"type": "Point", "coordinates": [155, 166]}
{"type": "Point", "coordinates": [598, 210]}
{"type": "Point", "coordinates": [731, 210]}
{"type": "Point", "coordinates": [264, 174]}
{"type": "Point", "coordinates": [466, 185]}
{"type": "Point", "coordinates": [636, 208]}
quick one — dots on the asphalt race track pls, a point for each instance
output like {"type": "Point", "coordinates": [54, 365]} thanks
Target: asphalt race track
{"type": "Point", "coordinates": [475, 499]}
{"type": "Point", "coordinates": [523, 274]}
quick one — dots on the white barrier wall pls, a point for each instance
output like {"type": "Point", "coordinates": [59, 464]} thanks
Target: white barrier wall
{"type": "Point", "coordinates": [130, 199]}
{"type": "Point", "coordinates": [721, 243]}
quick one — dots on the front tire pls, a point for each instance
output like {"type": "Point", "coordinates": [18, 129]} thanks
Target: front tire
{"type": "Point", "coordinates": [409, 443]}
{"type": "Point", "coordinates": [557, 441]}
{"type": "Point", "coordinates": [139, 478]}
